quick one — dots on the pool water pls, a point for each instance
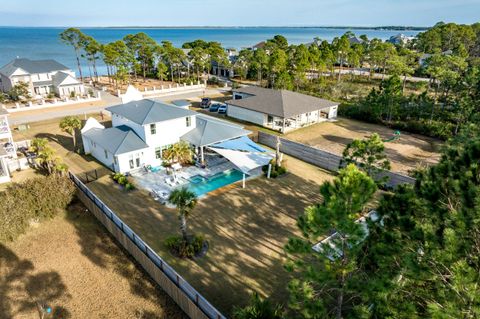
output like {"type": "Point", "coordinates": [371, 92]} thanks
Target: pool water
{"type": "Point", "coordinates": [201, 185]}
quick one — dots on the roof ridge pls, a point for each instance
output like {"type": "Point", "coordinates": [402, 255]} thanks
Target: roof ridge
{"type": "Point", "coordinates": [121, 143]}
{"type": "Point", "coordinates": [149, 111]}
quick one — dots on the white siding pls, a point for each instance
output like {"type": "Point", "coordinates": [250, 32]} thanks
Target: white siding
{"type": "Point", "coordinates": [98, 152]}
{"type": "Point", "coordinates": [168, 132]}
{"type": "Point", "coordinates": [246, 115]}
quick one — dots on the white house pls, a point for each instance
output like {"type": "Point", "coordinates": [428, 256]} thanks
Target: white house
{"type": "Point", "coordinates": [280, 110]}
{"type": "Point", "coordinates": [7, 146]}
{"type": "Point", "coordinates": [42, 76]}
{"type": "Point", "coordinates": [142, 130]}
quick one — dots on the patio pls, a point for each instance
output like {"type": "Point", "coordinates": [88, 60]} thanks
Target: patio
{"type": "Point", "coordinates": [161, 183]}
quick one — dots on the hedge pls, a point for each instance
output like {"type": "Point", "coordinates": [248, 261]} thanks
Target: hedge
{"type": "Point", "coordinates": [33, 200]}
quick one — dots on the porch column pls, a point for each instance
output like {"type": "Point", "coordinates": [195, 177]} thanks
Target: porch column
{"type": "Point", "coordinates": [283, 126]}
{"type": "Point", "coordinates": [202, 158]}
{"type": "Point", "coordinates": [243, 183]}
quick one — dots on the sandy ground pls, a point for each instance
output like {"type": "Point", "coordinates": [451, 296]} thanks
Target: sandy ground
{"type": "Point", "coordinates": [139, 84]}
{"type": "Point", "coordinates": [246, 229]}
{"type": "Point", "coordinates": [71, 264]}
{"type": "Point", "coordinates": [409, 152]}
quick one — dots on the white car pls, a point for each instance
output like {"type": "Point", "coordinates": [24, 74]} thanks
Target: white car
{"type": "Point", "coordinates": [222, 109]}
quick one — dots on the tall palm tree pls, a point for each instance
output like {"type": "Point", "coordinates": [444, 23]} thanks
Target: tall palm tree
{"type": "Point", "coordinates": [185, 200]}
{"type": "Point", "coordinates": [69, 125]}
{"type": "Point", "coordinates": [46, 158]}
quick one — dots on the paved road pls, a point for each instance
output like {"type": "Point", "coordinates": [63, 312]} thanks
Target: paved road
{"type": "Point", "coordinates": [107, 100]}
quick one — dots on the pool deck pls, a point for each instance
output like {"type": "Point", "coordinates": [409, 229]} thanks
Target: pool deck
{"type": "Point", "coordinates": [160, 184]}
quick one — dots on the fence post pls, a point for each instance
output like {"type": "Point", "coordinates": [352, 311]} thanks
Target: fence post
{"type": "Point", "coordinates": [96, 175]}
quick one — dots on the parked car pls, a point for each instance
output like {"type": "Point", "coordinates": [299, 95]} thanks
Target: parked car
{"type": "Point", "coordinates": [215, 107]}
{"type": "Point", "coordinates": [222, 109]}
{"type": "Point", "coordinates": [206, 102]}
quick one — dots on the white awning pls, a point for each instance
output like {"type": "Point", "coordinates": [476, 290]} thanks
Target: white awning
{"type": "Point", "coordinates": [245, 161]}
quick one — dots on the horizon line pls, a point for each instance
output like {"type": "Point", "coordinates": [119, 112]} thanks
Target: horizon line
{"type": "Point", "coordinates": [227, 26]}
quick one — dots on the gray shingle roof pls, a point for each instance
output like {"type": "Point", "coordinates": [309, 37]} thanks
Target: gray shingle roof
{"type": "Point", "coordinates": [116, 140]}
{"type": "Point", "coordinates": [282, 103]}
{"type": "Point", "coordinates": [148, 111]}
{"type": "Point", "coordinates": [209, 130]}
{"type": "Point", "coordinates": [32, 66]}
{"type": "Point", "coordinates": [61, 76]}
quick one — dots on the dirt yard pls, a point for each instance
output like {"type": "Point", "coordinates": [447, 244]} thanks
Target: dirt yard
{"type": "Point", "coordinates": [140, 84]}
{"type": "Point", "coordinates": [73, 266]}
{"type": "Point", "coordinates": [246, 229]}
{"type": "Point", "coordinates": [405, 154]}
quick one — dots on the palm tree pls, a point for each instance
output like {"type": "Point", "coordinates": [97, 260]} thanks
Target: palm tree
{"type": "Point", "coordinates": [69, 125]}
{"type": "Point", "coordinates": [259, 309]}
{"type": "Point", "coordinates": [185, 200]}
{"type": "Point", "coordinates": [46, 158]}
{"type": "Point", "coordinates": [179, 152]}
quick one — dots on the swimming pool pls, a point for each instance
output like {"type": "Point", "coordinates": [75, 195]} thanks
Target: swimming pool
{"type": "Point", "coordinates": [201, 185]}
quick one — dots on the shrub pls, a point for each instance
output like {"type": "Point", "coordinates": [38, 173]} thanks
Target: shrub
{"type": "Point", "coordinates": [129, 186]}
{"type": "Point", "coordinates": [35, 199]}
{"type": "Point", "coordinates": [122, 180]}
{"type": "Point", "coordinates": [276, 170]}
{"type": "Point", "coordinates": [179, 247]}
{"type": "Point", "coordinates": [116, 176]}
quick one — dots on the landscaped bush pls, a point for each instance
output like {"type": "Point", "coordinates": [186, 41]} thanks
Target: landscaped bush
{"type": "Point", "coordinates": [179, 247]}
{"type": "Point", "coordinates": [121, 179]}
{"type": "Point", "coordinates": [33, 200]}
{"type": "Point", "coordinates": [276, 170]}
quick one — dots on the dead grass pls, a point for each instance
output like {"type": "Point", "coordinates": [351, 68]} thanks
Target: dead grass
{"type": "Point", "coordinates": [71, 264]}
{"type": "Point", "coordinates": [246, 229]}
{"type": "Point", "coordinates": [409, 152]}
{"type": "Point", "coordinates": [140, 84]}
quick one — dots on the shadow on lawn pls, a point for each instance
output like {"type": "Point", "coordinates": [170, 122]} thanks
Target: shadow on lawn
{"type": "Point", "coordinates": [101, 249]}
{"type": "Point", "coordinates": [21, 288]}
{"type": "Point", "coordinates": [246, 228]}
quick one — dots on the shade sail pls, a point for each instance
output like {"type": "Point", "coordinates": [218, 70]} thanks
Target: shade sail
{"type": "Point", "coordinates": [245, 161]}
{"type": "Point", "coordinates": [240, 144]}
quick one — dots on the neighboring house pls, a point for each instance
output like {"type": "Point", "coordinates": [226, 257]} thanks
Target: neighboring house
{"type": "Point", "coordinates": [355, 40]}
{"type": "Point", "coordinates": [280, 110]}
{"type": "Point", "coordinates": [7, 146]}
{"type": "Point", "coordinates": [226, 70]}
{"type": "Point", "coordinates": [400, 39]}
{"type": "Point", "coordinates": [142, 130]}
{"type": "Point", "coordinates": [422, 61]}
{"type": "Point", "coordinates": [42, 76]}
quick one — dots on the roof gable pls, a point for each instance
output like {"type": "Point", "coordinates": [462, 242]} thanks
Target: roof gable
{"type": "Point", "coordinates": [149, 111]}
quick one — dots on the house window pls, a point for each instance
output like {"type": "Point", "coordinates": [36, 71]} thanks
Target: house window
{"type": "Point", "coordinates": [115, 160]}
{"type": "Point", "coordinates": [106, 153]}
{"type": "Point", "coordinates": [269, 119]}
{"type": "Point", "coordinates": [138, 161]}
{"type": "Point", "coordinates": [158, 152]}
{"type": "Point", "coordinates": [131, 163]}
{"type": "Point", "coordinates": [153, 129]}
{"type": "Point", "coordinates": [188, 120]}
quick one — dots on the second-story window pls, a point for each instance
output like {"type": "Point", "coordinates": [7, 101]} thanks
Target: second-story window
{"type": "Point", "coordinates": [188, 120]}
{"type": "Point", "coordinates": [106, 154]}
{"type": "Point", "coordinates": [153, 129]}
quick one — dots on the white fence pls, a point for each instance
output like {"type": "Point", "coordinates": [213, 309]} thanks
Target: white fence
{"type": "Point", "coordinates": [168, 89]}
{"type": "Point", "coordinates": [42, 104]}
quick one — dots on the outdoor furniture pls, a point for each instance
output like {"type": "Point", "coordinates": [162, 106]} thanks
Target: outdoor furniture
{"type": "Point", "coordinates": [176, 166]}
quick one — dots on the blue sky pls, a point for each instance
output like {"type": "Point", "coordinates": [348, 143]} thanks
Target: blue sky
{"type": "Point", "coordinates": [236, 13]}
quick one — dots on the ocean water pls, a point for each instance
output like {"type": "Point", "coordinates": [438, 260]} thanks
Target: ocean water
{"type": "Point", "coordinates": [44, 43]}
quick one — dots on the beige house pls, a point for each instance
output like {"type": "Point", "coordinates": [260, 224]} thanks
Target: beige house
{"type": "Point", "coordinates": [280, 110]}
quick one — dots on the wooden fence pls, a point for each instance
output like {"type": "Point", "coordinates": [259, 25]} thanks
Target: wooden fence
{"type": "Point", "coordinates": [186, 297]}
{"type": "Point", "coordinates": [321, 158]}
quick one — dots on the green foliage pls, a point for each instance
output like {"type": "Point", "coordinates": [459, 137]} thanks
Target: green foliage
{"type": "Point", "coordinates": [185, 249]}
{"type": "Point", "coordinates": [423, 257]}
{"type": "Point", "coordinates": [327, 282]}
{"type": "Point", "coordinates": [179, 152]}
{"type": "Point", "coordinates": [185, 201]}
{"type": "Point", "coordinates": [369, 155]}
{"type": "Point", "coordinates": [123, 180]}
{"type": "Point", "coordinates": [259, 309]}
{"type": "Point", "coordinates": [19, 91]}
{"type": "Point", "coordinates": [35, 199]}
{"type": "Point", "coordinates": [276, 169]}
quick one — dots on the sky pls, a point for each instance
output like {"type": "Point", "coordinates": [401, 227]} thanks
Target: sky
{"type": "Point", "coordinates": [236, 13]}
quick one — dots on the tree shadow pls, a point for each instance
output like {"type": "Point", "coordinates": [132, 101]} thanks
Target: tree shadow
{"type": "Point", "coordinates": [101, 248]}
{"type": "Point", "coordinates": [21, 288]}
